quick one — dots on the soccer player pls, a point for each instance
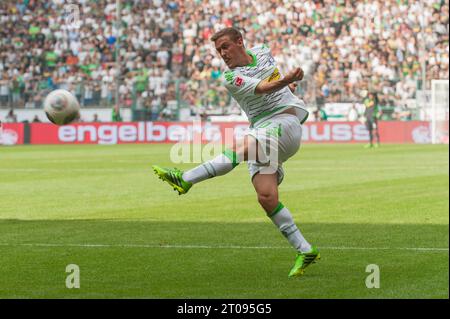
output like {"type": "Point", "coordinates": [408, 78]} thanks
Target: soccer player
{"type": "Point", "coordinates": [276, 117]}
{"type": "Point", "coordinates": [371, 114]}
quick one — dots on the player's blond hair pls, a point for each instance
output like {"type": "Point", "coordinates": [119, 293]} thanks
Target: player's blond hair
{"type": "Point", "coordinates": [233, 33]}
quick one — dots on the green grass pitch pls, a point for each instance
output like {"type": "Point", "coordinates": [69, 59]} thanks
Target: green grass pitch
{"type": "Point", "coordinates": [103, 209]}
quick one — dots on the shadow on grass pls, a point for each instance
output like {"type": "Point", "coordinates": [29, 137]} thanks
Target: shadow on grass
{"type": "Point", "coordinates": [143, 259]}
{"type": "Point", "coordinates": [219, 233]}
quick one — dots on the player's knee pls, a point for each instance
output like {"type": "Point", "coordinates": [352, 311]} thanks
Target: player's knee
{"type": "Point", "coordinates": [268, 200]}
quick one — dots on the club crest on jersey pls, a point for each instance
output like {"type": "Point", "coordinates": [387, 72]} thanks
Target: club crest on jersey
{"type": "Point", "coordinates": [239, 81]}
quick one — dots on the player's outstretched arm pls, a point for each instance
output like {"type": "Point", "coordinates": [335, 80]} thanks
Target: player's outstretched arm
{"type": "Point", "coordinates": [265, 87]}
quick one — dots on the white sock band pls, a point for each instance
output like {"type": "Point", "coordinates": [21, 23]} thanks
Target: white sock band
{"type": "Point", "coordinates": [282, 218]}
{"type": "Point", "coordinates": [220, 165]}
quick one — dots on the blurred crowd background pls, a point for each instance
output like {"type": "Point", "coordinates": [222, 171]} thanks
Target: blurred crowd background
{"type": "Point", "coordinates": [167, 61]}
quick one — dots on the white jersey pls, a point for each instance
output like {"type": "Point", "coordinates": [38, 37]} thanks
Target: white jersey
{"type": "Point", "coordinates": [242, 81]}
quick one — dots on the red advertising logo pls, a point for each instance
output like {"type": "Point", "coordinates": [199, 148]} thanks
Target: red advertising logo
{"type": "Point", "coordinates": [335, 132]}
{"type": "Point", "coordinates": [11, 133]}
{"type": "Point", "coordinates": [133, 132]}
{"type": "Point", "coordinates": [173, 132]}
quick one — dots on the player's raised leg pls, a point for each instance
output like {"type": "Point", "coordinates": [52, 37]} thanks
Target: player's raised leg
{"type": "Point", "coordinates": [266, 186]}
{"type": "Point", "coordinates": [218, 166]}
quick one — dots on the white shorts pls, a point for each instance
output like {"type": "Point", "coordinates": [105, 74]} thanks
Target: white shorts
{"type": "Point", "coordinates": [278, 139]}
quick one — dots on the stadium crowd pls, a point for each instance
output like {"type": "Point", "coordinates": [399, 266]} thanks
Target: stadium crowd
{"type": "Point", "coordinates": [346, 48]}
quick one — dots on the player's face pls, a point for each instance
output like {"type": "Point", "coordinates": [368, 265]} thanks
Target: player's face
{"type": "Point", "coordinates": [229, 50]}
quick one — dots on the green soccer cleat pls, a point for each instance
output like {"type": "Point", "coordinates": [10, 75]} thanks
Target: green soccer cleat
{"type": "Point", "coordinates": [368, 146]}
{"type": "Point", "coordinates": [303, 260]}
{"type": "Point", "coordinates": [173, 176]}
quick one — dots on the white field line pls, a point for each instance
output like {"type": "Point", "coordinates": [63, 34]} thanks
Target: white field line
{"type": "Point", "coordinates": [32, 169]}
{"type": "Point", "coordinates": [417, 249]}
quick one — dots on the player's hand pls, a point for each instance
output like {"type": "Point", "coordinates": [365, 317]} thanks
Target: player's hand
{"type": "Point", "coordinates": [294, 75]}
{"type": "Point", "coordinates": [293, 86]}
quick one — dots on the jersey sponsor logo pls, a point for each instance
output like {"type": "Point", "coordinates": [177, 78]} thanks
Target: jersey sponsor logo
{"type": "Point", "coordinates": [239, 81]}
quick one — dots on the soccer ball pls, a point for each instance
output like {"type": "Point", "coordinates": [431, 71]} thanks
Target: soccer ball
{"type": "Point", "coordinates": [61, 107]}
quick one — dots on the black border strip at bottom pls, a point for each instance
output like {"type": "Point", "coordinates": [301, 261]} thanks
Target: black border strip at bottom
{"type": "Point", "coordinates": [232, 308]}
